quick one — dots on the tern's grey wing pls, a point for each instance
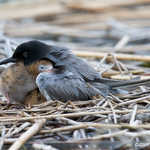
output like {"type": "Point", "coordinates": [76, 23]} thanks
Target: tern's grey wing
{"type": "Point", "coordinates": [66, 87]}
{"type": "Point", "coordinates": [63, 57]}
{"type": "Point", "coordinates": [80, 67]}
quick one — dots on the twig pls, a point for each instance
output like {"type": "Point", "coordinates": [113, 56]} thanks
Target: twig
{"type": "Point", "coordinates": [17, 130]}
{"type": "Point", "coordinates": [133, 101]}
{"type": "Point", "coordinates": [28, 134]}
{"type": "Point", "coordinates": [138, 134]}
{"type": "Point", "coordinates": [118, 56]}
{"type": "Point", "coordinates": [109, 135]}
{"type": "Point", "coordinates": [96, 125]}
{"type": "Point", "coordinates": [10, 140]}
{"type": "Point", "coordinates": [133, 115]}
{"type": "Point", "coordinates": [122, 43]}
{"type": "Point", "coordinates": [69, 115]}
{"type": "Point", "coordinates": [43, 147]}
{"type": "Point", "coordinates": [114, 114]}
{"type": "Point", "coordinates": [2, 137]}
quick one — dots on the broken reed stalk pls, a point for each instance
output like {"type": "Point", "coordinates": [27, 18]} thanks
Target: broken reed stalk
{"type": "Point", "coordinates": [118, 56]}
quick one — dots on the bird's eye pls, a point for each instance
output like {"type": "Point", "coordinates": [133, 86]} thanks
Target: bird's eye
{"type": "Point", "coordinates": [41, 67]}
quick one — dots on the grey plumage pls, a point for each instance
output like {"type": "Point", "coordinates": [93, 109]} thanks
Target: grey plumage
{"type": "Point", "coordinates": [67, 86]}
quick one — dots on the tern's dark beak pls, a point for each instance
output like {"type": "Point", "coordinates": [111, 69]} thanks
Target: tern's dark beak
{"type": "Point", "coordinates": [8, 60]}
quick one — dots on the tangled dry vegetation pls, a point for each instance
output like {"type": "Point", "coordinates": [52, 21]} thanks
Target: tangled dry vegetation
{"type": "Point", "coordinates": [114, 36]}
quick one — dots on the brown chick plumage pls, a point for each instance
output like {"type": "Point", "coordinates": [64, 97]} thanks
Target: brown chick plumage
{"type": "Point", "coordinates": [33, 69]}
{"type": "Point", "coordinates": [34, 97]}
{"type": "Point", "coordinates": [17, 83]}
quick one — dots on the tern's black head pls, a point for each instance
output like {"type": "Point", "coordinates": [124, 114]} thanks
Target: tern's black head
{"type": "Point", "coordinates": [32, 51]}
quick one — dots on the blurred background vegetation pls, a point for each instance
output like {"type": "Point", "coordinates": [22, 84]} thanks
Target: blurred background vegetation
{"type": "Point", "coordinates": [81, 25]}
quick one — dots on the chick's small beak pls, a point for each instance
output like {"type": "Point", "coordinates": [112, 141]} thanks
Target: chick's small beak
{"type": "Point", "coordinates": [8, 60]}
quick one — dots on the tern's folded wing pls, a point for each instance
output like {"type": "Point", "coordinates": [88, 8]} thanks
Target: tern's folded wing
{"type": "Point", "coordinates": [65, 87]}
